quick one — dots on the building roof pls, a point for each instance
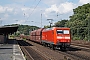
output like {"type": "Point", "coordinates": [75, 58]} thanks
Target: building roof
{"type": "Point", "coordinates": [8, 29]}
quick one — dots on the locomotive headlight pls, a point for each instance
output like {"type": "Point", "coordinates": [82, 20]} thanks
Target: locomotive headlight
{"type": "Point", "coordinates": [59, 37]}
{"type": "Point", "coordinates": [67, 37]}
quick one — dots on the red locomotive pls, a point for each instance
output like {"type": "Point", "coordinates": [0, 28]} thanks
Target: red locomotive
{"type": "Point", "coordinates": [52, 37]}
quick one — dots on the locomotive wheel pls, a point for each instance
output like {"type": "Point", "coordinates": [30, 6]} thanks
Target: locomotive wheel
{"type": "Point", "coordinates": [45, 44]}
{"type": "Point", "coordinates": [52, 46]}
{"type": "Point", "coordinates": [42, 44]}
{"type": "Point", "coordinates": [63, 48]}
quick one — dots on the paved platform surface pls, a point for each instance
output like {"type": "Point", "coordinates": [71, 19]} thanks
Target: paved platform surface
{"type": "Point", "coordinates": [11, 51]}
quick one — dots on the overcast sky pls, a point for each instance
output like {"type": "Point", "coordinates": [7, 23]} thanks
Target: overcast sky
{"type": "Point", "coordinates": [29, 12]}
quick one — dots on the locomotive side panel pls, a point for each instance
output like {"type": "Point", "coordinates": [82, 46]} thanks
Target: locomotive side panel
{"type": "Point", "coordinates": [48, 36]}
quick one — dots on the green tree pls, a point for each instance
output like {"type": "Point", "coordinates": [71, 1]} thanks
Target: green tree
{"type": "Point", "coordinates": [79, 22]}
{"type": "Point", "coordinates": [60, 23]}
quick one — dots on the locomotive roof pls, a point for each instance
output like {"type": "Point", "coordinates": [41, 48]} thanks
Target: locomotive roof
{"type": "Point", "coordinates": [52, 28]}
{"type": "Point", "coordinates": [56, 27]}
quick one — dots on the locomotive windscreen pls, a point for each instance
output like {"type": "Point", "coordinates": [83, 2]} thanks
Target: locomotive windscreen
{"type": "Point", "coordinates": [59, 31]}
{"type": "Point", "coordinates": [66, 31]}
{"type": "Point", "coordinates": [62, 31]}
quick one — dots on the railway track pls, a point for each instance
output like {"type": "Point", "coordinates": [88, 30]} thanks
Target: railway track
{"type": "Point", "coordinates": [66, 55]}
{"type": "Point", "coordinates": [81, 43]}
{"type": "Point", "coordinates": [80, 55]}
{"type": "Point", "coordinates": [29, 53]}
{"type": "Point", "coordinates": [83, 50]}
{"type": "Point", "coordinates": [81, 47]}
{"type": "Point", "coordinates": [52, 55]}
{"type": "Point", "coordinates": [75, 53]}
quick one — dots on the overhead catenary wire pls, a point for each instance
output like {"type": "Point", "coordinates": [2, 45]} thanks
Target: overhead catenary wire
{"type": "Point", "coordinates": [33, 2]}
{"type": "Point", "coordinates": [24, 14]}
{"type": "Point", "coordinates": [34, 9]}
{"type": "Point", "coordinates": [29, 9]}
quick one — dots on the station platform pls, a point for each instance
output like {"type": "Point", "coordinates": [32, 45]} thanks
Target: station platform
{"type": "Point", "coordinates": [11, 51]}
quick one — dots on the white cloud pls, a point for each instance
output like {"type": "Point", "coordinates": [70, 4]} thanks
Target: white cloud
{"type": "Point", "coordinates": [23, 10]}
{"type": "Point", "coordinates": [26, 11]}
{"type": "Point", "coordinates": [15, 10]}
{"type": "Point", "coordinates": [84, 1]}
{"type": "Point", "coordinates": [6, 15]}
{"type": "Point", "coordinates": [61, 9]}
{"type": "Point", "coordinates": [65, 7]}
{"type": "Point", "coordinates": [5, 9]}
{"type": "Point", "coordinates": [9, 9]}
{"type": "Point", "coordinates": [2, 9]}
{"type": "Point", "coordinates": [52, 8]}
{"type": "Point", "coordinates": [19, 22]}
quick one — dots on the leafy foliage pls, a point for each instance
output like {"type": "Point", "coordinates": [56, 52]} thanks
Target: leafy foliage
{"type": "Point", "coordinates": [79, 22]}
{"type": "Point", "coordinates": [60, 23]}
{"type": "Point", "coordinates": [25, 29]}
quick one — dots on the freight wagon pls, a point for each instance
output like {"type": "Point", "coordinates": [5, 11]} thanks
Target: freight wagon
{"type": "Point", "coordinates": [36, 35]}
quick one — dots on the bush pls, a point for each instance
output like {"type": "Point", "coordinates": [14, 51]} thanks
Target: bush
{"type": "Point", "coordinates": [76, 38]}
{"type": "Point", "coordinates": [86, 38]}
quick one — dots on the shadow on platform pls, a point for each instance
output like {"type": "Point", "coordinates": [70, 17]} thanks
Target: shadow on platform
{"type": "Point", "coordinates": [6, 48]}
{"type": "Point", "coordinates": [23, 43]}
{"type": "Point", "coordinates": [11, 41]}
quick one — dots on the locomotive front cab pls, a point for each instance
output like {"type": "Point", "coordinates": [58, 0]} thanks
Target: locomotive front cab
{"type": "Point", "coordinates": [63, 37]}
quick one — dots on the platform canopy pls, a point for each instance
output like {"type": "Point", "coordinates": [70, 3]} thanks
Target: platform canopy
{"type": "Point", "coordinates": [8, 29]}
